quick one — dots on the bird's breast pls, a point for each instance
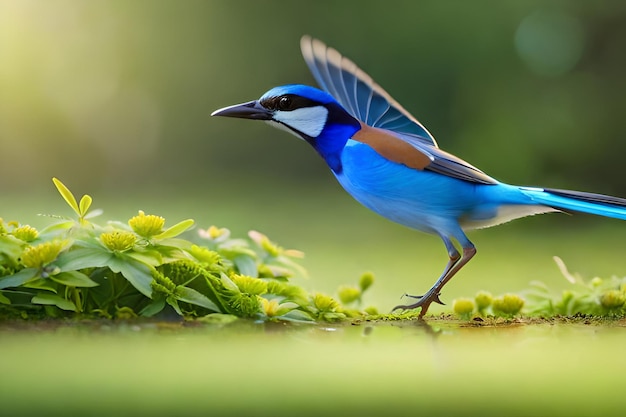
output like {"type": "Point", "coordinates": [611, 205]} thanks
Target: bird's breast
{"type": "Point", "coordinates": [413, 197]}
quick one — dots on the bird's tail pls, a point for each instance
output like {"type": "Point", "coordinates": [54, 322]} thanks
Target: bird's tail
{"type": "Point", "coordinates": [566, 200]}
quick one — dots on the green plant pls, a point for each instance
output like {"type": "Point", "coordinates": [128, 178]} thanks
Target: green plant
{"type": "Point", "coordinates": [597, 296]}
{"type": "Point", "coordinates": [75, 266]}
{"type": "Point", "coordinates": [464, 307]}
{"type": "Point", "coordinates": [483, 301]}
{"type": "Point", "coordinates": [507, 305]}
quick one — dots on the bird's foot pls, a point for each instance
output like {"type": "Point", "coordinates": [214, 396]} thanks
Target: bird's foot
{"type": "Point", "coordinates": [434, 298]}
{"type": "Point", "coordinates": [412, 296]}
{"type": "Point", "coordinates": [424, 301]}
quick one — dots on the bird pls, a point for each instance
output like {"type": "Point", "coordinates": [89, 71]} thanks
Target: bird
{"type": "Point", "coordinates": [390, 163]}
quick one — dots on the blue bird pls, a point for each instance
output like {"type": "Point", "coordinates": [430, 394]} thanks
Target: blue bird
{"type": "Point", "coordinates": [391, 164]}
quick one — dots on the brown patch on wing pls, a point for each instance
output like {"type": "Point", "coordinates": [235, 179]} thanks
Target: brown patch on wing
{"type": "Point", "coordinates": [391, 147]}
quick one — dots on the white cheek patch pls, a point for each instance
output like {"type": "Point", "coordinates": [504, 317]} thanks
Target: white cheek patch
{"type": "Point", "coordinates": [308, 120]}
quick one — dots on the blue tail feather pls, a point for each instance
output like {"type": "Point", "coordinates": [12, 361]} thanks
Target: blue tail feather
{"type": "Point", "coordinates": [578, 201]}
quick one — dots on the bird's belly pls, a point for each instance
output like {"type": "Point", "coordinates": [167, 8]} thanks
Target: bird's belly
{"type": "Point", "coordinates": [422, 200]}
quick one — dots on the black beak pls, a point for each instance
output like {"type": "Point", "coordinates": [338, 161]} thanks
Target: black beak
{"type": "Point", "coordinates": [250, 110]}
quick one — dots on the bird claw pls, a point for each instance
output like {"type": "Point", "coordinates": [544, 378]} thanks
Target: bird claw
{"type": "Point", "coordinates": [411, 296]}
{"type": "Point", "coordinates": [424, 301]}
{"type": "Point", "coordinates": [437, 300]}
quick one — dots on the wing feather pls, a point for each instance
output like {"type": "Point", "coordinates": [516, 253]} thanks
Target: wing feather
{"type": "Point", "coordinates": [445, 163]}
{"type": "Point", "coordinates": [367, 101]}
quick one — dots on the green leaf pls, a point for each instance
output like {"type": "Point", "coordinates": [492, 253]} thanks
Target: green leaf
{"type": "Point", "coordinates": [290, 265]}
{"type": "Point", "coordinates": [137, 273]}
{"type": "Point", "coordinates": [57, 228]}
{"type": "Point", "coordinates": [85, 203]}
{"type": "Point", "coordinates": [218, 318]}
{"type": "Point", "coordinates": [177, 243]}
{"type": "Point", "coordinates": [297, 316]}
{"type": "Point", "coordinates": [246, 265]}
{"type": "Point", "coordinates": [175, 230]}
{"type": "Point", "coordinates": [18, 278]}
{"type": "Point", "coordinates": [67, 195]}
{"type": "Point", "coordinates": [228, 283]}
{"type": "Point", "coordinates": [82, 258]}
{"type": "Point", "coordinates": [153, 308]}
{"type": "Point", "coordinates": [73, 279]}
{"type": "Point", "coordinates": [94, 213]}
{"type": "Point", "coordinates": [174, 303]}
{"type": "Point", "coordinates": [191, 296]}
{"type": "Point", "coordinates": [53, 300]}
{"type": "Point", "coordinates": [11, 246]}
{"type": "Point", "coordinates": [150, 257]}
{"type": "Point", "coordinates": [231, 252]}
{"type": "Point", "coordinates": [3, 299]}
{"type": "Point", "coordinates": [42, 284]}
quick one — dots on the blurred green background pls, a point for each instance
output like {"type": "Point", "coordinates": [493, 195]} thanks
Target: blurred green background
{"type": "Point", "coordinates": [114, 97]}
{"type": "Point", "coordinates": [110, 94]}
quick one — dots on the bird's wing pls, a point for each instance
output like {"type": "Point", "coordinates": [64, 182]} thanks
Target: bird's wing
{"type": "Point", "coordinates": [452, 166]}
{"type": "Point", "coordinates": [358, 93]}
{"type": "Point", "coordinates": [364, 99]}
{"type": "Point", "coordinates": [413, 152]}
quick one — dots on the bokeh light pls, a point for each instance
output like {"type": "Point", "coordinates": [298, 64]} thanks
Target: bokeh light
{"type": "Point", "coordinates": [551, 43]}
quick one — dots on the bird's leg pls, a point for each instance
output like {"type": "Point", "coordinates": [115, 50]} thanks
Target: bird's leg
{"type": "Point", "coordinates": [454, 265]}
{"type": "Point", "coordinates": [454, 258]}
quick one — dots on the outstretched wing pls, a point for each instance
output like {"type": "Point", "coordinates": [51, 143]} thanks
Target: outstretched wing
{"type": "Point", "coordinates": [365, 100]}
{"type": "Point", "coordinates": [357, 92]}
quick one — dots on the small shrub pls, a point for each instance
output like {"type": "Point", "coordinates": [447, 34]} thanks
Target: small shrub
{"type": "Point", "coordinates": [141, 267]}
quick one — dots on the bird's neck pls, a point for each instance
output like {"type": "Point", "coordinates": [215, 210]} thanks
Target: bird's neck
{"type": "Point", "coordinates": [339, 127]}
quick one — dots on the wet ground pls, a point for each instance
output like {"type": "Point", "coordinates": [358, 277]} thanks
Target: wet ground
{"type": "Point", "coordinates": [559, 367]}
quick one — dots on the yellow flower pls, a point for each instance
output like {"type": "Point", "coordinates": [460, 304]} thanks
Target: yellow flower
{"type": "Point", "coordinates": [42, 254]}
{"type": "Point", "coordinates": [214, 232]}
{"type": "Point", "coordinates": [371, 310]}
{"type": "Point", "coordinates": [483, 300]}
{"type": "Point", "coordinates": [118, 241]}
{"type": "Point", "coordinates": [250, 285]}
{"type": "Point", "coordinates": [246, 305]}
{"type": "Point", "coordinates": [612, 299]}
{"type": "Point", "coordinates": [348, 294]}
{"type": "Point", "coordinates": [204, 255]}
{"type": "Point", "coordinates": [269, 307]}
{"type": "Point", "coordinates": [324, 303]}
{"type": "Point", "coordinates": [508, 304]}
{"type": "Point", "coordinates": [290, 292]}
{"type": "Point", "coordinates": [265, 243]}
{"type": "Point", "coordinates": [25, 233]}
{"type": "Point", "coordinates": [366, 281]}
{"type": "Point", "coordinates": [463, 306]}
{"type": "Point", "coordinates": [147, 225]}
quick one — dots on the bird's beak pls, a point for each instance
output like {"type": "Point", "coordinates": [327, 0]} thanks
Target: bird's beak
{"type": "Point", "coordinates": [250, 110]}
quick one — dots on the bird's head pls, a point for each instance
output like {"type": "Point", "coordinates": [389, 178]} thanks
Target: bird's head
{"type": "Point", "coordinates": [308, 113]}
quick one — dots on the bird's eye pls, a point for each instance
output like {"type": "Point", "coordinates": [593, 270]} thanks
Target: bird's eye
{"type": "Point", "coordinates": [284, 103]}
